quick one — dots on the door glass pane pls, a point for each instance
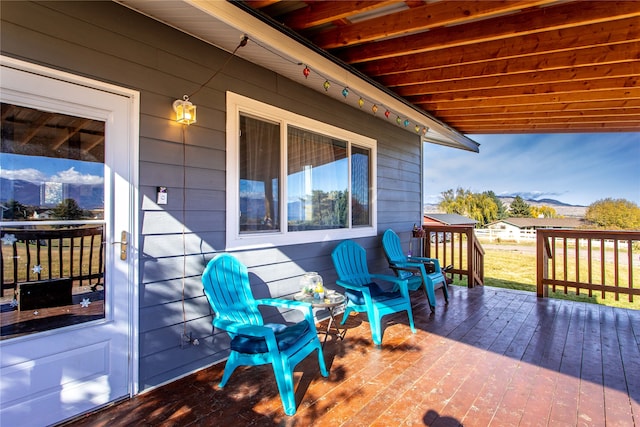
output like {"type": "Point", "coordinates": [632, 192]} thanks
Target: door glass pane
{"type": "Point", "coordinates": [51, 220]}
{"type": "Point", "coordinates": [317, 181]}
{"type": "Point", "coordinates": [259, 175]}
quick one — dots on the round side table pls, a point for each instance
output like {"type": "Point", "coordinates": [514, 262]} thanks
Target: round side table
{"type": "Point", "coordinates": [331, 302]}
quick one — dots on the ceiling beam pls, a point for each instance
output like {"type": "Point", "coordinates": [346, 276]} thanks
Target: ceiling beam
{"type": "Point", "coordinates": [578, 86]}
{"type": "Point", "coordinates": [538, 20]}
{"type": "Point", "coordinates": [528, 128]}
{"type": "Point", "coordinates": [422, 18]}
{"type": "Point", "coordinates": [323, 12]}
{"type": "Point", "coordinates": [630, 114]}
{"type": "Point", "coordinates": [600, 34]}
{"type": "Point", "coordinates": [553, 108]}
{"type": "Point", "coordinates": [598, 56]}
{"type": "Point", "coordinates": [612, 94]}
{"type": "Point", "coordinates": [523, 80]}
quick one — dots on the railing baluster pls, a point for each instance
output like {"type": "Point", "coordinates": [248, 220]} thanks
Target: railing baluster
{"type": "Point", "coordinates": [602, 267]}
{"type": "Point", "coordinates": [577, 243]}
{"type": "Point", "coordinates": [616, 271]}
{"type": "Point", "coordinates": [589, 264]}
{"type": "Point", "coordinates": [630, 263]}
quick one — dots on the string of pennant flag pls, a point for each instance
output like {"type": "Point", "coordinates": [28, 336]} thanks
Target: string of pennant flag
{"type": "Point", "coordinates": [347, 92]}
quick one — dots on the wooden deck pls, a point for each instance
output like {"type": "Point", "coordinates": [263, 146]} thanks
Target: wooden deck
{"type": "Point", "coordinates": [491, 357]}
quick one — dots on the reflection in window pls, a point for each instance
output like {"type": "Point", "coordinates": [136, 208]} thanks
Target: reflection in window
{"type": "Point", "coordinates": [317, 181]}
{"type": "Point", "coordinates": [51, 173]}
{"type": "Point", "coordinates": [295, 180]}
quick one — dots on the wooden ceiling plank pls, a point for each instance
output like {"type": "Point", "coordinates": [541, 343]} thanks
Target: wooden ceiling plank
{"type": "Point", "coordinates": [600, 118]}
{"type": "Point", "coordinates": [586, 96]}
{"type": "Point", "coordinates": [552, 128]}
{"type": "Point", "coordinates": [35, 127]}
{"type": "Point", "coordinates": [64, 137]}
{"type": "Point", "coordinates": [99, 140]}
{"type": "Point", "coordinates": [525, 79]}
{"type": "Point", "coordinates": [323, 12]}
{"type": "Point", "coordinates": [627, 54]}
{"type": "Point", "coordinates": [7, 110]}
{"type": "Point", "coordinates": [425, 17]}
{"type": "Point", "coordinates": [577, 85]}
{"type": "Point", "coordinates": [552, 105]}
{"type": "Point", "coordinates": [564, 114]}
{"type": "Point", "coordinates": [600, 34]}
{"type": "Point", "coordinates": [535, 21]}
{"type": "Point", "coordinates": [259, 4]}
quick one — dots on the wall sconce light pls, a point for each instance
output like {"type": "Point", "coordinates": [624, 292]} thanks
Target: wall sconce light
{"type": "Point", "coordinates": [185, 111]}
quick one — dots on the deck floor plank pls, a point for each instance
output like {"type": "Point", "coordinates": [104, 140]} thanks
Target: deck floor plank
{"type": "Point", "coordinates": [491, 357]}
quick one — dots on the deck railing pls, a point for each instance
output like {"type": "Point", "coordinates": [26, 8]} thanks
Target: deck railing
{"type": "Point", "coordinates": [588, 262]}
{"type": "Point", "coordinates": [51, 261]}
{"type": "Point", "coordinates": [457, 246]}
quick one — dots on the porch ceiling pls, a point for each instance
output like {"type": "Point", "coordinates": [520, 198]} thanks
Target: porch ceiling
{"type": "Point", "coordinates": [529, 66]}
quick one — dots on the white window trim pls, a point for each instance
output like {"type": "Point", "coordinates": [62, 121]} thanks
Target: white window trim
{"type": "Point", "coordinates": [237, 104]}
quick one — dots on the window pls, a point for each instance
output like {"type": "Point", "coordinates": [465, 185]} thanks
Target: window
{"type": "Point", "coordinates": [295, 180]}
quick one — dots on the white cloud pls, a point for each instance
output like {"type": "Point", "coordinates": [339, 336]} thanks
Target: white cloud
{"type": "Point", "coordinates": [31, 175]}
{"type": "Point", "coordinates": [71, 176]}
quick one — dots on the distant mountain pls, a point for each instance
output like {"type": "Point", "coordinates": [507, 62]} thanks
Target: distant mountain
{"type": "Point", "coordinates": [550, 202]}
{"type": "Point", "coordinates": [538, 202]}
{"type": "Point", "coordinates": [561, 208]}
{"type": "Point", "coordinates": [25, 192]}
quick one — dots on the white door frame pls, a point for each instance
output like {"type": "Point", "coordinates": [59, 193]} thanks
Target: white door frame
{"type": "Point", "coordinates": [128, 223]}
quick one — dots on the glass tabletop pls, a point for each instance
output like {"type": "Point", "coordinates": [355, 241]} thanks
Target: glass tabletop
{"type": "Point", "coordinates": [331, 299]}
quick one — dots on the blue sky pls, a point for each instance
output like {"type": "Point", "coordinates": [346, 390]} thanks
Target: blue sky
{"type": "Point", "coordinates": [578, 169]}
{"type": "Point", "coordinates": [47, 169]}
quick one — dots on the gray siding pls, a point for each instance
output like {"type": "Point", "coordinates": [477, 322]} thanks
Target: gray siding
{"type": "Point", "coordinates": [108, 42]}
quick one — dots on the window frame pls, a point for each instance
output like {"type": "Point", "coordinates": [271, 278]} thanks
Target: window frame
{"type": "Point", "coordinates": [238, 104]}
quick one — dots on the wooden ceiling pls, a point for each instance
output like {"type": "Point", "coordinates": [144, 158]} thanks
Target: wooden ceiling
{"type": "Point", "coordinates": [528, 66]}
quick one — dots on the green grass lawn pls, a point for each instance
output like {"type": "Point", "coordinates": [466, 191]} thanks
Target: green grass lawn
{"type": "Point", "coordinates": [515, 268]}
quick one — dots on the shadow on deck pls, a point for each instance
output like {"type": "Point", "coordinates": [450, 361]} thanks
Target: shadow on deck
{"type": "Point", "coordinates": [491, 357]}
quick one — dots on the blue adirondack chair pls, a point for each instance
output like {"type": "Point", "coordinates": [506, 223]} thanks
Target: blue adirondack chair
{"type": "Point", "coordinates": [413, 269]}
{"type": "Point", "coordinates": [364, 295]}
{"type": "Point", "coordinates": [253, 342]}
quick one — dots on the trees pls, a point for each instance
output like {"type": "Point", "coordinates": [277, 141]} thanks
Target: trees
{"type": "Point", "coordinates": [67, 209]}
{"type": "Point", "coordinates": [544, 212]}
{"type": "Point", "coordinates": [519, 208]}
{"type": "Point", "coordinates": [502, 211]}
{"type": "Point", "coordinates": [615, 214]}
{"type": "Point", "coordinates": [14, 210]}
{"type": "Point", "coordinates": [483, 207]}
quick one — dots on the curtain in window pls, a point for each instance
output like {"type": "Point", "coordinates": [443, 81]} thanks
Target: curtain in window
{"type": "Point", "coordinates": [259, 175]}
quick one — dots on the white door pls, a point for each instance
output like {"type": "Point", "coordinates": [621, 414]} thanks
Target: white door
{"type": "Point", "coordinates": [66, 138]}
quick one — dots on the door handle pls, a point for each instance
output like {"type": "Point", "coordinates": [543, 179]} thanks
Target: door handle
{"type": "Point", "coordinates": [123, 245]}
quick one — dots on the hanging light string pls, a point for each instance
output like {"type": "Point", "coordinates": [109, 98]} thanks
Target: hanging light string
{"type": "Point", "coordinates": [347, 91]}
{"type": "Point", "coordinates": [242, 43]}
{"type": "Point", "coordinates": [306, 71]}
